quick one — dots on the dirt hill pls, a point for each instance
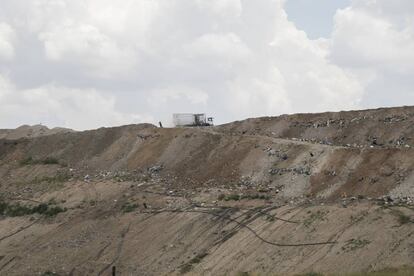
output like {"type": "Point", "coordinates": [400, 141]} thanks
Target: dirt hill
{"type": "Point", "coordinates": [27, 131]}
{"type": "Point", "coordinates": [328, 193]}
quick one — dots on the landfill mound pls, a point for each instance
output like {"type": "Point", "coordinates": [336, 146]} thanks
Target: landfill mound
{"type": "Point", "coordinates": [385, 127]}
{"type": "Point", "coordinates": [328, 193]}
{"type": "Point", "coordinates": [26, 131]}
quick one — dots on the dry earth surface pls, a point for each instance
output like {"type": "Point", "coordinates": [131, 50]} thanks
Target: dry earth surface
{"type": "Point", "coordinates": [329, 193]}
{"type": "Point", "coordinates": [27, 131]}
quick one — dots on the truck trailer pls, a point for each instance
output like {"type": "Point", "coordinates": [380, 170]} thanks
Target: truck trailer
{"type": "Point", "coordinates": [192, 120]}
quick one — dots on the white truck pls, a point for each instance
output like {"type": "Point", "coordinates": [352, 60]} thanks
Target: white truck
{"type": "Point", "coordinates": [191, 120]}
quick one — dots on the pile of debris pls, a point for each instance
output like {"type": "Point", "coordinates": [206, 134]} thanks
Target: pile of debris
{"type": "Point", "coordinates": [395, 200]}
{"type": "Point", "coordinates": [296, 170]}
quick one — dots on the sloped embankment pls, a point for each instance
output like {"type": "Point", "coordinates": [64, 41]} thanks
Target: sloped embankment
{"type": "Point", "coordinates": [318, 192]}
{"type": "Point", "coordinates": [206, 241]}
{"type": "Point", "coordinates": [196, 157]}
{"type": "Point", "coordinates": [383, 127]}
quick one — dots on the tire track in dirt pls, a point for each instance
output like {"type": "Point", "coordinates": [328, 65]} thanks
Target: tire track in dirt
{"type": "Point", "coordinates": [18, 231]}
{"type": "Point", "coordinates": [118, 251]}
{"type": "Point", "coordinates": [335, 236]}
{"type": "Point", "coordinates": [244, 225]}
{"type": "Point", "coordinates": [384, 255]}
{"type": "Point", "coordinates": [7, 263]}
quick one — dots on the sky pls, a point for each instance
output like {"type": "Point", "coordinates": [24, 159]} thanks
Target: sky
{"type": "Point", "coordinates": [315, 17]}
{"type": "Point", "coordinates": [89, 64]}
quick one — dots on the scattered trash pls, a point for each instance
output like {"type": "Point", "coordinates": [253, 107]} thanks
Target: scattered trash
{"type": "Point", "coordinates": [155, 169]}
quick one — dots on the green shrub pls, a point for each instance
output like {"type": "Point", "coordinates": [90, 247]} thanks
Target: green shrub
{"type": "Point", "coordinates": [257, 196]}
{"type": "Point", "coordinates": [40, 209]}
{"type": "Point", "coordinates": [313, 217]}
{"type": "Point", "coordinates": [46, 161]}
{"type": "Point", "coordinates": [186, 268]}
{"type": "Point", "coordinates": [189, 266]}
{"type": "Point", "coordinates": [401, 217]}
{"type": "Point", "coordinates": [53, 211]}
{"type": "Point", "coordinates": [18, 210]}
{"type": "Point", "coordinates": [60, 177]}
{"type": "Point", "coordinates": [354, 244]}
{"type": "Point", "coordinates": [232, 197]}
{"type": "Point", "coordinates": [236, 197]}
{"type": "Point", "coordinates": [3, 207]}
{"type": "Point", "coordinates": [128, 207]}
{"type": "Point", "coordinates": [198, 258]}
{"type": "Point", "coordinates": [27, 161]}
{"type": "Point", "coordinates": [50, 161]}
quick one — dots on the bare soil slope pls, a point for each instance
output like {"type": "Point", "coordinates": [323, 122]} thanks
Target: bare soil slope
{"type": "Point", "coordinates": [331, 193]}
{"type": "Point", "coordinates": [26, 131]}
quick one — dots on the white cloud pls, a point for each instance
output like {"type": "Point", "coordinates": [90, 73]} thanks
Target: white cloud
{"type": "Point", "coordinates": [60, 106]}
{"type": "Point", "coordinates": [5, 87]}
{"type": "Point", "coordinates": [222, 7]}
{"type": "Point", "coordinates": [164, 96]}
{"type": "Point", "coordinates": [218, 47]}
{"type": "Point", "coordinates": [374, 40]}
{"type": "Point", "coordinates": [363, 39]}
{"type": "Point", "coordinates": [7, 38]}
{"type": "Point", "coordinates": [230, 58]}
{"type": "Point", "coordinates": [293, 74]}
{"type": "Point", "coordinates": [87, 45]}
